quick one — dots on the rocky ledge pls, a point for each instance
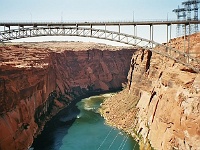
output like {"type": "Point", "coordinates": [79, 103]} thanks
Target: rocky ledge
{"type": "Point", "coordinates": [39, 79]}
{"type": "Point", "coordinates": [160, 105]}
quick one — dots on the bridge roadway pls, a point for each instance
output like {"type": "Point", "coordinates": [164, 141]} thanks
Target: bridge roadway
{"type": "Point", "coordinates": [134, 23]}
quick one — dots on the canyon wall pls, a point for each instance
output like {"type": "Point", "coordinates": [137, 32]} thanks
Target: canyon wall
{"type": "Point", "coordinates": [80, 72]}
{"type": "Point", "coordinates": [160, 106]}
{"type": "Point", "coordinates": [37, 81]}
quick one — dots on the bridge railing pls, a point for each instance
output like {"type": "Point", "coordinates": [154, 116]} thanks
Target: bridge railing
{"type": "Point", "coordinates": [93, 22]}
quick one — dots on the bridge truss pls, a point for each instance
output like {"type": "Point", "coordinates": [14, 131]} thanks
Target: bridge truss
{"type": "Point", "coordinates": [138, 42]}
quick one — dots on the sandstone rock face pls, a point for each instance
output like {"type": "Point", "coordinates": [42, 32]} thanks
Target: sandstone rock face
{"type": "Point", "coordinates": [192, 47]}
{"type": "Point", "coordinates": [23, 92]}
{"type": "Point", "coordinates": [90, 70]}
{"type": "Point", "coordinates": [36, 81]}
{"type": "Point", "coordinates": [160, 104]}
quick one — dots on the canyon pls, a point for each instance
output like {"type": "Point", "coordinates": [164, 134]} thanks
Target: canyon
{"type": "Point", "coordinates": [39, 79]}
{"type": "Point", "coordinates": [160, 105]}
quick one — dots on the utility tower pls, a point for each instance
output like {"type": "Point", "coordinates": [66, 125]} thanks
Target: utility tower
{"type": "Point", "coordinates": [189, 12]}
{"type": "Point", "coordinates": [181, 15]}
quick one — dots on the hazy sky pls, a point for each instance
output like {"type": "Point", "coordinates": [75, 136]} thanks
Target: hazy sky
{"type": "Point", "coordinates": [69, 10]}
{"type": "Point", "coordinates": [87, 10]}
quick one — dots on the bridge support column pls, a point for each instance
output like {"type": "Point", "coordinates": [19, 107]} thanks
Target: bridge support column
{"type": "Point", "coordinates": [119, 31]}
{"type": "Point", "coordinates": [76, 29]}
{"type": "Point", "coordinates": [49, 28]}
{"type": "Point", "coordinates": [170, 32]}
{"type": "Point", "coordinates": [105, 31]}
{"type": "Point", "coordinates": [167, 37]}
{"type": "Point", "coordinates": [135, 32]}
{"type": "Point", "coordinates": [19, 31]}
{"type": "Point", "coordinates": [91, 29]}
{"type": "Point", "coordinates": [8, 29]}
{"type": "Point", "coordinates": [188, 52]}
{"type": "Point", "coordinates": [21, 28]}
{"type": "Point", "coordinates": [184, 38]}
{"type": "Point", "coordinates": [188, 39]}
{"type": "Point", "coordinates": [151, 34]}
{"type": "Point", "coordinates": [170, 37]}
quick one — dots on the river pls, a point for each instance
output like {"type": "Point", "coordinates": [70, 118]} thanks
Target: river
{"type": "Point", "coordinates": [81, 127]}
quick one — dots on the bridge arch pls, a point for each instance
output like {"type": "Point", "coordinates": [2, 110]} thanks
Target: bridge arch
{"type": "Point", "coordinates": [135, 41]}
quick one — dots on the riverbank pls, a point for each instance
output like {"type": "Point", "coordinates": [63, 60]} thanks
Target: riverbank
{"type": "Point", "coordinates": [120, 111]}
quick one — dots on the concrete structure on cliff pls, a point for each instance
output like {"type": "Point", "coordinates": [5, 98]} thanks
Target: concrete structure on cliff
{"type": "Point", "coordinates": [18, 30]}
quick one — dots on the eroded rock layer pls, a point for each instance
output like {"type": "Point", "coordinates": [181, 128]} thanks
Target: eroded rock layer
{"type": "Point", "coordinates": [161, 104]}
{"type": "Point", "coordinates": [37, 80]}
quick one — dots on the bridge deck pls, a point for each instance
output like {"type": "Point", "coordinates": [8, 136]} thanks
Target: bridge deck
{"type": "Point", "coordinates": [96, 23]}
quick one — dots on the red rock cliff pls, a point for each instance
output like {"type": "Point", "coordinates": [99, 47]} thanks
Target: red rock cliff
{"type": "Point", "coordinates": [161, 104]}
{"type": "Point", "coordinates": [36, 81]}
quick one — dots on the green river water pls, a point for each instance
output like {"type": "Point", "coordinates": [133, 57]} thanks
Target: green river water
{"type": "Point", "coordinates": [81, 127]}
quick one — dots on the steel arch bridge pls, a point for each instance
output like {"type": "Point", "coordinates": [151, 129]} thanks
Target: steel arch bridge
{"type": "Point", "coordinates": [137, 42]}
